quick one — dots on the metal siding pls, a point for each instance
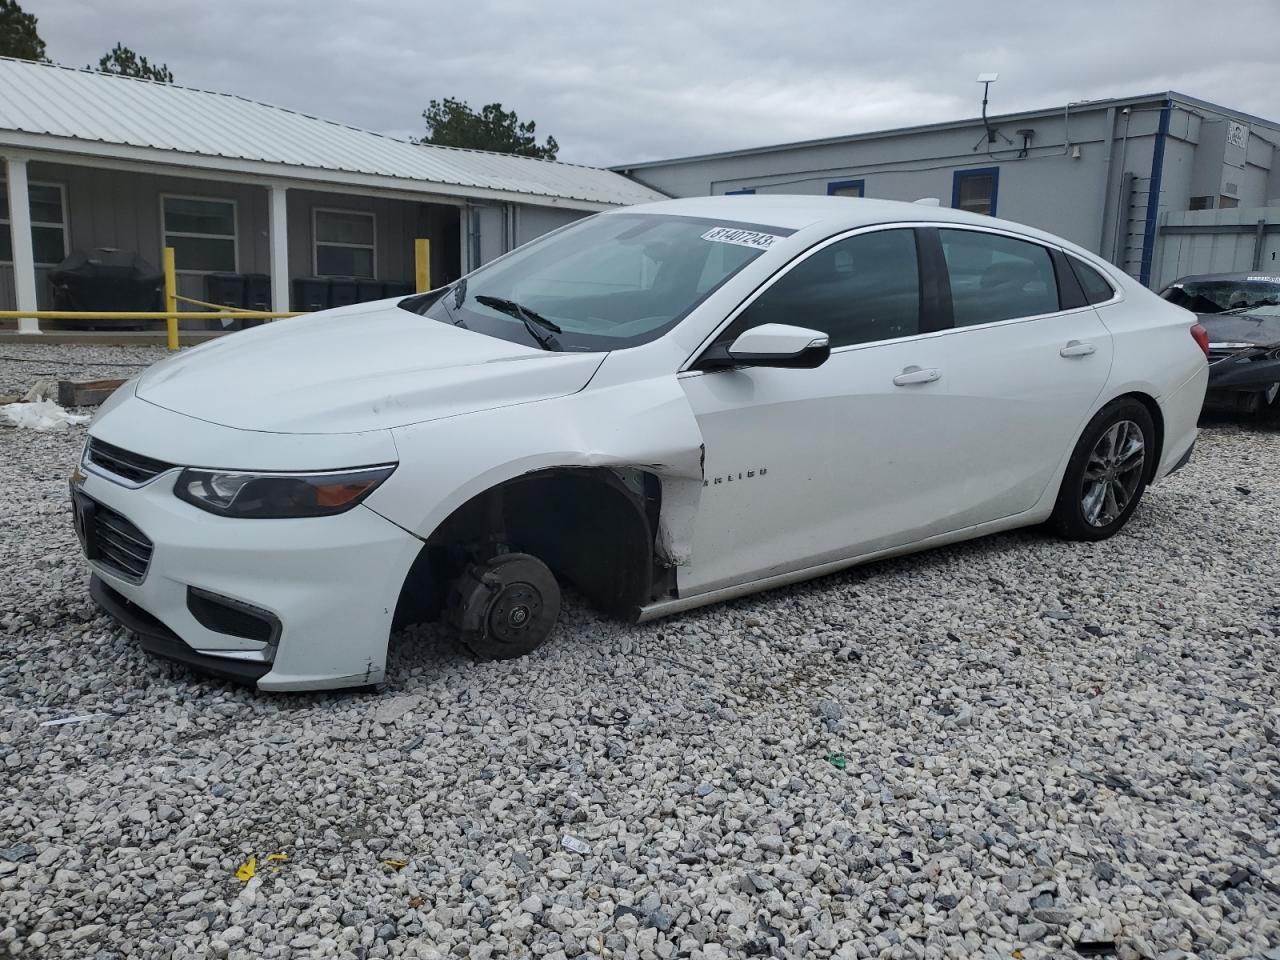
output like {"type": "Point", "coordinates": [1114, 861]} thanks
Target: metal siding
{"type": "Point", "coordinates": [533, 222]}
{"type": "Point", "coordinates": [82, 105]}
{"type": "Point", "coordinates": [1182, 252]}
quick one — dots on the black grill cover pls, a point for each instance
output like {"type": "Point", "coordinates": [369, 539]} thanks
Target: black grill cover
{"type": "Point", "coordinates": [106, 279]}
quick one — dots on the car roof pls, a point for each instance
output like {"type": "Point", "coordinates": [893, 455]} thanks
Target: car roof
{"type": "Point", "coordinates": [798, 211]}
{"type": "Point", "coordinates": [1255, 276]}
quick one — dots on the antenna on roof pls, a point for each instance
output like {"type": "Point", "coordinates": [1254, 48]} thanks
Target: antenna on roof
{"type": "Point", "coordinates": [987, 79]}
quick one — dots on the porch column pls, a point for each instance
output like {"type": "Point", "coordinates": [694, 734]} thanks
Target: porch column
{"type": "Point", "coordinates": [278, 228]}
{"type": "Point", "coordinates": [24, 261]}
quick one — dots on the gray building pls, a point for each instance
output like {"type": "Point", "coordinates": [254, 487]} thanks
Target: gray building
{"type": "Point", "coordinates": [240, 188]}
{"type": "Point", "coordinates": [1161, 185]}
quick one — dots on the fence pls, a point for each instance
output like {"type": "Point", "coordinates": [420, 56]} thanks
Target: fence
{"type": "Point", "coordinates": [172, 316]}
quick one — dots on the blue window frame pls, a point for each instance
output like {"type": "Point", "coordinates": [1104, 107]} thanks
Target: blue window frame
{"type": "Point", "coordinates": [846, 188]}
{"type": "Point", "coordinates": [976, 190]}
{"type": "Point", "coordinates": [734, 193]}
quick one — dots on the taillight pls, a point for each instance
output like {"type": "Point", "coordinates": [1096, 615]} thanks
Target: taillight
{"type": "Point", "coordinates": [1201, 336]}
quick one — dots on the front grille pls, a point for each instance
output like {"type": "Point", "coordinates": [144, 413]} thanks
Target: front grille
{"type": "Point", "coordinates": [133, 467]}
{"type": "Point", "coordinates": [116, 543]}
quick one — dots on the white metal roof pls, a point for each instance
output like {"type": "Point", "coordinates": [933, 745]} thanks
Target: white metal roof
{"type": "Point", "coordinates": [81, 108]}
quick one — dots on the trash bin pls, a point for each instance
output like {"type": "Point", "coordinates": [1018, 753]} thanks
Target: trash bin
{"type": "Point", "coordinates": [224, 289]}
{"type": "Point", "coordinates": [343, 292]}
{"type": "Point", "coordinates": [257, 296]}
{"type": "Point", "coordinates": [310, 293]}
{"type": "Point", "coordinates": [227, 289]}
{"type": "Point", "coordinates": [106, 279]}
{"type": "Point", "coordinates": [257, 291]}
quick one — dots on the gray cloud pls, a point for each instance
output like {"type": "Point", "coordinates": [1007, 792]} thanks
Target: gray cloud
{"type": "Point", "coordinates": [617, 83]}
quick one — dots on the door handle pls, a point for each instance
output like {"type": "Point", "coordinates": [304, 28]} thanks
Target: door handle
{"type": "Point", "coordinates": [914, 374]}
{"type": "Point", "coordinates": [1077, 348]}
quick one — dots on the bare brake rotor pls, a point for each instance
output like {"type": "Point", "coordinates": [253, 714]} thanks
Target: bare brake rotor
{"type": "Point", "coordinates": [504, 607]}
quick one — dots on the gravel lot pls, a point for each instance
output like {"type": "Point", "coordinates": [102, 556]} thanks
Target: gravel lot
{"type": "Point", "coordinates": [1010, 745]}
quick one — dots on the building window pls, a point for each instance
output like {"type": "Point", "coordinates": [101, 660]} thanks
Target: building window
{"type": "Point", "coordinates": [734, 193]}
{"type": "Point", "coordinates": [344, 243]}
{"type": "Point", "coordinates": [48, 205]}
{"type": "Point", "coordinates": [202, 233]}
{"type": "Point", "coordinates": [845, 188]}
{"type": "Point", "coordinates": [975, 190]}
{"type": "Point", "coordinates": [1201, 203]}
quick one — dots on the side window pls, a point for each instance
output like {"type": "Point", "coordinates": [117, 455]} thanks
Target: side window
{"type": "Point", "coordinates": [997, 278]}
{"type": "Point", "coordinates": [1097, 289]}
{"type": "Point", "coordinates": [857, 290]}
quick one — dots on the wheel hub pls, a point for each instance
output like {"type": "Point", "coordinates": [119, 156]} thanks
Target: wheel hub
{"type": "Point", "coordinates": [516, 606]}
{"type": "Point", "coordinates": [505, 606]}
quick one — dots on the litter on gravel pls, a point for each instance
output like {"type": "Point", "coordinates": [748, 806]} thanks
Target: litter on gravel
{"type": "Point", "coordinates": [43, 416]}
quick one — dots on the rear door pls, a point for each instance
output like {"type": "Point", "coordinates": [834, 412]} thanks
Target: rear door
{"type": "Point", "coordinates": [1027, 359]}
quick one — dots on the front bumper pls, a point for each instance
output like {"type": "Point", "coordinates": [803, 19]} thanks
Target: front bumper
{"type": "Point", "coordinates": [330, 584]}
{"type": "Point", "coordinates": [1246, 373]}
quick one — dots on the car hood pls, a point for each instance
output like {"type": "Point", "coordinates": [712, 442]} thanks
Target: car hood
{"type": "Point", "coordinates": [1260, 329]}
{"type": "Point", "coordinates": [368, 367]}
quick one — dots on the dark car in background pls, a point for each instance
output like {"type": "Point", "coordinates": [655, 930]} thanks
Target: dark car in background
{"type": "Point", "coordinates": [1241, 312]}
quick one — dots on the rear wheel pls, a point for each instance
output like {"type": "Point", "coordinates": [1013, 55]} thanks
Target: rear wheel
{"type": "Point", "coordinates": [1107, 473]}
{"type": "Point", "coordinates": [504, 607]}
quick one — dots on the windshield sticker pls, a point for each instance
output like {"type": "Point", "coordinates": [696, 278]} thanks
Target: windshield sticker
{"type": "Point", "coordinates": [1265, 279]}
{"type": "Point", "coordinates": [743, 238]}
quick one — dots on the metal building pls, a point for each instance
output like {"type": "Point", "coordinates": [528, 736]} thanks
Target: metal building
{"type": "Point", "coordinates": [236, 187]}
{"type": "Point", "coordinates": [1087, 171]}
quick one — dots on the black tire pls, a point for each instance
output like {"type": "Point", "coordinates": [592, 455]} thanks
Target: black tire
{"type": "Point", "coordinates": [1074, 515]}
{"type": "Point", "coordinates": [1268, 407]}
{"type": "Point", "coordinates": [505, 607]}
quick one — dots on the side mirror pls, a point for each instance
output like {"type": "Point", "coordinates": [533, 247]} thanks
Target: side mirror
{"type": "Point", "coordinates": [770, 345]}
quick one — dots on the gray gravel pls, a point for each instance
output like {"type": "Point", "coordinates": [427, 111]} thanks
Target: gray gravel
{"type": "Point", "coordinates": [1013, 744]}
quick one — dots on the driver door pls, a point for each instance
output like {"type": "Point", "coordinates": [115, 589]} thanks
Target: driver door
{"type": "Point", "coordinates": [803, 467]}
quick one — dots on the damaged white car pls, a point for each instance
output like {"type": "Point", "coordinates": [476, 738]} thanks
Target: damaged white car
{"type": "Point", "coordinates": [663, 406]}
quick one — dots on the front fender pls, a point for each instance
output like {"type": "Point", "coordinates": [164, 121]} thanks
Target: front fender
{"type": "Point", "coordinates": [646, 424]}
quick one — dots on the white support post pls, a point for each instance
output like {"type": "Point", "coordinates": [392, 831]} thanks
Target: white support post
{"type": "Point", "coordinates": [24, 260]}
{"type": "Point", "coordinates": [279, 232]}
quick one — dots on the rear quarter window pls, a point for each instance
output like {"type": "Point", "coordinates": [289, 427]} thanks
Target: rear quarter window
{"type": "Point", "coordinates": [1097, 289]}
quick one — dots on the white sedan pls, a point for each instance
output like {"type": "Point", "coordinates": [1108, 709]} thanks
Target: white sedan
{"type": "Point", "coordinates": [663, 406]}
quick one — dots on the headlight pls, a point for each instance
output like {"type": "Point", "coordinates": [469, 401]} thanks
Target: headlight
{"type": "Point", "coordinates": [263, 496]}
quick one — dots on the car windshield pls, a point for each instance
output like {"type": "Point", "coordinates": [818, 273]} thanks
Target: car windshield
{"type": "Point", "coordinates": [611, 281]}
{"type": "Point", "coordinates": [1215, 296]}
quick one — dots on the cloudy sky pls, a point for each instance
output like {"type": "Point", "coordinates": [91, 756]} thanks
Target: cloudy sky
{"type": "Point", "coordinates": [618, 82]}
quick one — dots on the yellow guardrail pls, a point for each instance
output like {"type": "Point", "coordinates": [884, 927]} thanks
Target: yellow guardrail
{"type": "Point", "coordinates": [171, 315]}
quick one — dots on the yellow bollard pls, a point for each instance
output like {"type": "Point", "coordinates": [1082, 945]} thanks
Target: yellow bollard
{"type": "Point", "coordinates": [170, 298]}
{"type": "Point", "coordinates": [422, 264]}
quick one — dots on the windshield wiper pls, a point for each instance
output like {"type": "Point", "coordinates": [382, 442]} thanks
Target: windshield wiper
{"type": "Point", "coordinates": [533, 321]}
{"type": "Point", "coordinates": [1235, 311]}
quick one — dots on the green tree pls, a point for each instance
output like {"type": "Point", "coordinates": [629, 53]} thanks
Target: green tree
{"type": "Point", "coordinates": [125, 63]}
{"type": "Point", "coordinates": [18, 36]}
{"type": "Point", "coordinates": [452, 123]}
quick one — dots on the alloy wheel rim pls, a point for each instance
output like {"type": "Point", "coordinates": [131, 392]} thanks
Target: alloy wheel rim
{"type": "Point", "coordinates": [1112, 473]}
